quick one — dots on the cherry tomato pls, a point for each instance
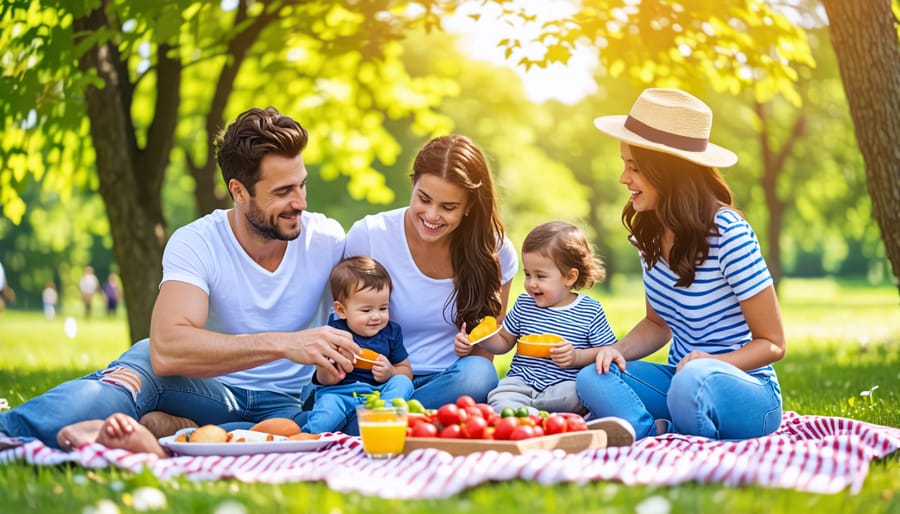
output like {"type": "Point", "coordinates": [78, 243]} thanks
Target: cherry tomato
{"type": "Point", "coordinates": [414, 418]}
{"type": "Point", "coordinates": [538, 431]}
{"type": "Point", "coordinates": [451, 432]}
{"type": "Point", "coordinates": [486, 410]}
{"type": "Point", "coordinates": [465, 401]}
{"type": "Point", "coordinates": [574, 424]}
{"type": "Point", "coordinates": [448, 415]}
{"type": "Point", "coordinates": [505, 427]}
{"type": "Point", "coordinates": [474, 412]}
{"type": "Point", "coordinates": [555, 424]}
{"type": "Point", "coordinates": [474, 428]}
{"type": "Point", "coordinates": [424, 430]}
{"type": "Point", "coordinates": [522, 432]}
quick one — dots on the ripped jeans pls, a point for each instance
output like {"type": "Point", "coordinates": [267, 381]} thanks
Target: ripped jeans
{"type": "Point", "coordinates": [128, 385]}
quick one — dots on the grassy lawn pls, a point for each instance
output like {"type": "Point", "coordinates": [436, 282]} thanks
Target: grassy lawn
{"type": "Point", "coordinates": [843, 340]}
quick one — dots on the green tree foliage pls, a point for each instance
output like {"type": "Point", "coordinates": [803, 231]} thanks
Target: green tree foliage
{"type": "Point", "coordinates": [149, 83]}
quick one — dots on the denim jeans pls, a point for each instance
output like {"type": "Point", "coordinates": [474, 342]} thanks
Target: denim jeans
{"type": "Point", "coordinates": [129, 385]}
{"type": "Point", "coordinates": [708, 398]}
{"type": "Point", "coordinates": [473, 375]}
{"type": "Point", "coordinates": [335, 407]}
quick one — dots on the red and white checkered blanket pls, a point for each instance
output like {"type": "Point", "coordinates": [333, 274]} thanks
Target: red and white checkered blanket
{"type": "Point", "coordinates": [807, 453]}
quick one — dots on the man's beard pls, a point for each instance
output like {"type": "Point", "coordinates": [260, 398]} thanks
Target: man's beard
{"type": "Point", "coordinates": [268, 229]}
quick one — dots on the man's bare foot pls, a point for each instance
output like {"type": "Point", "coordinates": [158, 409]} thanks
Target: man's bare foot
{"type": "Point", "coordinates": [123, 431]}
{"type": "Point", "coordinates": [74, 435]}
{"type": "Point", "coordinates": [161, 424]}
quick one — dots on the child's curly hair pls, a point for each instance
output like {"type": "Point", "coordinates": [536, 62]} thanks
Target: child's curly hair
{"type": "Point", "coordinates": [568, 248]}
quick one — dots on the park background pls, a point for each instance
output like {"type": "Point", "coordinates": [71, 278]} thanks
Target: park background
{"type": "Point", "coordinates": [108, 107]}
{"type": "Point", "coordinates": [101, 176]}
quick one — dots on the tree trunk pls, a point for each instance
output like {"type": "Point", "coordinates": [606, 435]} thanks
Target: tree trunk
{"type": "Point", "coordinates": [773, 165]}
{"type": "Point", "coordinates": [865, 41]}
{"type": "Point", "coordinates": [133, 207]}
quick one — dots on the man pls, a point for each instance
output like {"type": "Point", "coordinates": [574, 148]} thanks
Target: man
{"type": "Point", "coordinates": [229, 337]}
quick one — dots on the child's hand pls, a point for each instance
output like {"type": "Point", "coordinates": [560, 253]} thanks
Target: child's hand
{"type": "Point", "coordinates": [461, 344]}
{"type": "Point", "coordinates": [563, 354]}
{"type": "Point", "coordinates": [382, 370]}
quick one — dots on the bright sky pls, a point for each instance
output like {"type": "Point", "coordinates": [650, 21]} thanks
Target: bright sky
{"type": "Point", "coordinates": [567, 83]}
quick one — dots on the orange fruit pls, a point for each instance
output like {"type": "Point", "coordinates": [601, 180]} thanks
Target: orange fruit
{"type": "Point", "coordinates": [366, 359]}
{"type": "Point", "coordinates": [487, 325]}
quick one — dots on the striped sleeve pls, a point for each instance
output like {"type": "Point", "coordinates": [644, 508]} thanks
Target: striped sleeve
{"type": "Point", "coordinates": [740, 258]}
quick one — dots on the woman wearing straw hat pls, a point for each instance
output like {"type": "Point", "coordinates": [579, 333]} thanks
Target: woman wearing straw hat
{"type": "Point", "coordinates": [706, 285]}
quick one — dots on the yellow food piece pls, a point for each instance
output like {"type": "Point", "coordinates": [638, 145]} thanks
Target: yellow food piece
{"type": "Point", "coordinates": [541, 338]}
{"type": "Point", "coordinates": [487, 325]}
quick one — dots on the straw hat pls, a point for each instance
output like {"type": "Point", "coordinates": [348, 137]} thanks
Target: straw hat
{"type": "Point", "coordinates": [669, 121]}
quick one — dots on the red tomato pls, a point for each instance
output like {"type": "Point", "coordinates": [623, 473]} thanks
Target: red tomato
{"type": "Point", "coordinates": [474, 412]}
{"type": "Point", "coordinates": [536, 419]}
{"type": "Point", "coordinates": [554, 424]}
{"type": "Point", "coordinates": [538, 431]}
{"type": "Point", "coordinates": [474, 428]}
{"type": "Point", "coordinates": [494, 419]}
{"type": "Point", "coordinates": [504, 428]}
{"type": "Point", "coordinates": [486, 410]}
{"type": "Point", "coordinates": [574, 424]}
{"type": "Point", "coordinates": [448, 415]}
{"type": "Point", "coordinates": [414, 418]}
{"type": "Point", "coordinates": [451, 432]}
{"type": "Point", "coordinates": [465, 401]}
{"type": "Point", "coordinates": [424, 430]}
{"type": "Point", "coordinates": [522, 432]}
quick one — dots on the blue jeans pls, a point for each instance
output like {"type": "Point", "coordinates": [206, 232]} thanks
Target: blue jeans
{"type": "Point", "coordinates": [473, 375]}
{"type": "Point", "coordinates": [335, 407]}
{"type": "Point", "coordinates": [708, 398]}
{"type": "Point", "coordinates": [129, 385]}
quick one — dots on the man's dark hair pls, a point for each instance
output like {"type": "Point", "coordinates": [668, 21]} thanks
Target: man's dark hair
{"type": "Point", "coordinates": [253, 135]}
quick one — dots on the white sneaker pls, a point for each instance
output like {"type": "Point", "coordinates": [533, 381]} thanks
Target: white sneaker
{"type": "Point", "coordinates": [618, 431]}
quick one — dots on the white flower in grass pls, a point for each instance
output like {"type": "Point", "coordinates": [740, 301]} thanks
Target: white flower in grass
{"type": "Point", "coordinates": [147, 498]}
{"type": "Point", "coordinates": [102, 507]}
{"type": "Point", "coordinates": [4, 404]}
{"type": "Point", "coordinates": [230, 507]}
{"type": "Point", "coordinates": [869, 392]}
{"type": "Point", "coordinates": [79, 479]}
{"type": "Point", "coordinates": [654, 505]}
{"type": "Point", "coordinates": [117, 486]}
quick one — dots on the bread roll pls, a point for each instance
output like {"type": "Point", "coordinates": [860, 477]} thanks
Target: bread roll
{"type": "Point", "coordinates": [209, 434]}
{"type": "Point", "coordinates": [278, 426]}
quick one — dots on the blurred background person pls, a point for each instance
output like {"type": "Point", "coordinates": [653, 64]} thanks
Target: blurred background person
{"type": "Point", "coordinates": [111, 291]}
{"type": "Point", "coordinates": [88, 285]}
{"type": "Point", "coordinates": [49, 297]}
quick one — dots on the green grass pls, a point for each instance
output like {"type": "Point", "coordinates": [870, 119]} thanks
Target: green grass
{"type": "Point", "coordinates": [843, 339]}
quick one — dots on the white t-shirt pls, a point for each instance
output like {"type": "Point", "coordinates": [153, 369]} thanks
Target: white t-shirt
{"type": "Point", "coordinates": [88, 284]}
{"type": "Point", "coordinates": [245, 298]}
{"type": "Point", "coordinates": [417, 301]}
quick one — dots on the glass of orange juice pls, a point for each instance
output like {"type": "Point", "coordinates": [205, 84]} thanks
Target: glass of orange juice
{"type": "Point", "coordinates": [383, 430]}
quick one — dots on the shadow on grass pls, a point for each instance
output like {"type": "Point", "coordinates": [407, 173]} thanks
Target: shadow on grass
{"type": "Point", "coordinates": [20, 385]}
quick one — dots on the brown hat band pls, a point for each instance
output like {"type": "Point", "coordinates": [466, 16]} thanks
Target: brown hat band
{"type": "Point", "coordinates": [690, 144]}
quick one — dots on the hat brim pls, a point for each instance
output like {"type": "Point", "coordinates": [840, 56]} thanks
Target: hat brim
{"type": "Point", "coordinates": [714, 156]}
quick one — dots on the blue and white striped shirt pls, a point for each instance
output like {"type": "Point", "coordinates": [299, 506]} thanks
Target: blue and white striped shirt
{"type": "Point", "coordinates": [707, 315]}
{"type": "Point", "coordinates": [582, 323]}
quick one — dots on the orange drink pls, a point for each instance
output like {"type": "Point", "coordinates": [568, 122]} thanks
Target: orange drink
{"type": "Point", "coordinates": [383, 430]}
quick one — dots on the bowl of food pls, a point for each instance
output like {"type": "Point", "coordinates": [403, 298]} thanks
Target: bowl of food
{"type": "Point", "coordinates": [366, 359]}
{"type": "Point", "coordinates": [538, 345]}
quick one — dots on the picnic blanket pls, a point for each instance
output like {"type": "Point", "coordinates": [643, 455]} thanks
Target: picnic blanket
{"type": "Point", "coordinates": [808, 453]}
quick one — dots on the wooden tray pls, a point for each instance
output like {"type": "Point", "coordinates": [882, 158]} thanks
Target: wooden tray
{"type": "Point", "coordinates": [570, 442]}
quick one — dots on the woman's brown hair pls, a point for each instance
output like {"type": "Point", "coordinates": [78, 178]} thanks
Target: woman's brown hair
{"type": "Point", "coordinates": [474, 243]}
{"type": "Point", "coordinates": [689, 195]}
